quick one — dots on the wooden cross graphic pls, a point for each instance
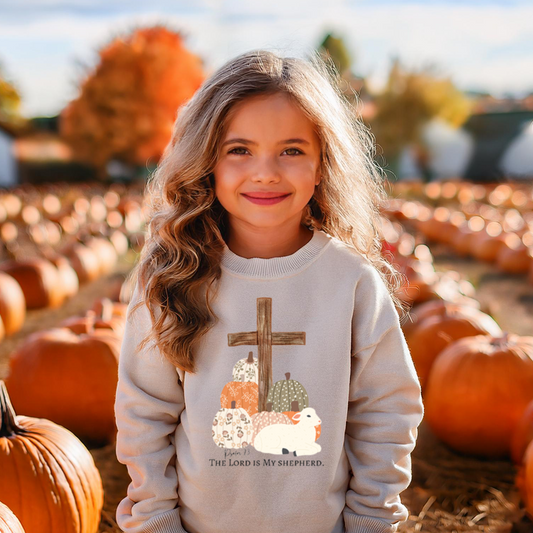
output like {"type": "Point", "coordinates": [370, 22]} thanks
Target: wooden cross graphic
{"type": "Point", "coordinates": [264, 338]}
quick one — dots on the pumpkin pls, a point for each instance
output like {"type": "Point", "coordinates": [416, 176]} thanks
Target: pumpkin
{"type": "Point", "coordinates": [232, 428]}
{"type": "Point", "coordinates": [513, 257]}
{"type": "Point", "coordinates": [9, 523]}
{"type": "Point", "coordinates": [285, 392]}
{"type": "Point", "coordinates": [436, 332]}
{"type": "Point", "coordinates": [106, 319]}
{"type": "Point", "coordinates": [69, 379]}
{"type": "Point", "coordinates": [54, 472]}
{"type": "Point", "coordinates": [244, 393]}
{"type": "Point", "coordinates": [487, 243]}
{"type": "Point", "coordinates": [249, 368]}
{"type": "Point", "coordinates": [267, 418]}
{"type": "Point", "coordinates": [69, 281]}
{"type": "Point", "coordinates": [84, 261]}
{"type": "Point", "coordinates": [522, 435]}
{"type": "Point", "coordinates": [524, 480]}
{"type": "Point", "coordinates": [105, 251]}
{"type": "Point", "coordinates": [12, 304]}
{"type": "Point", "coordinates": [420, 276]}
{"type": "Point", "coordinates": [463, 241]}
{"type": "Point", "coordinates": [426, 309]}
{"type": "Point", "coordinates": [39, 280]}
{"type": "Point", "coordinates": [119, 241]}
{"type": "Point", "coordinates": [477, 391]}
{"type": "Point", "coordinates": [290, 414]}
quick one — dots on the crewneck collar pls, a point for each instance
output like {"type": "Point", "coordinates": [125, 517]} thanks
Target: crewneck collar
{"type": "Point", "coordinates": [276, 267]}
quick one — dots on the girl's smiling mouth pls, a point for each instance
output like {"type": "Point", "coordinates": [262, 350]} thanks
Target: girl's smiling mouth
{"type": "Point", "coordinates": [265, 198]}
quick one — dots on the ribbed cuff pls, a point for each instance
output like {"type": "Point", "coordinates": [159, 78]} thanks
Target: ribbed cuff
{"type": "Point", "coordinates": [168, 522]}
{"type": "Point", "coordinates": [367, 524]}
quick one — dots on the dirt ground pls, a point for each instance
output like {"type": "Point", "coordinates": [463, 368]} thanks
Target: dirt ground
{"type": "Point", "coordinates": [449, 492]}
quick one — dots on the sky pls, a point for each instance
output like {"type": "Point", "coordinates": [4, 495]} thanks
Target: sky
{"type": "Point", "coordinates": [46, 46]}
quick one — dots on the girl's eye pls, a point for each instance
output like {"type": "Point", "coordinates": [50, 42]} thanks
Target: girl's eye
{"type": "Point", "coordinates": [298, 152]}
{"type": "Point", "coordinates": [233, 151]}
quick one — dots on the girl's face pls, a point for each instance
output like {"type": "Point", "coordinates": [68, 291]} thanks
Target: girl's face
{"type": "Point", "coordinates": [268, 163]}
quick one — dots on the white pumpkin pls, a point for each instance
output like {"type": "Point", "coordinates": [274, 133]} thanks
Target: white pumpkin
{"type": "Point", "coordinates": [247, 369]}
{"type": "Point", "coordinates": [232, 428]}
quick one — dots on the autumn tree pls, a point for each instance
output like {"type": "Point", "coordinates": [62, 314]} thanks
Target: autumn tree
{"type": "Point", "coordinates": [127, 106]}
{"type": "Point", "coordinates": [10, 102]}
{"type": "Point", "coordinates": [409, 100]}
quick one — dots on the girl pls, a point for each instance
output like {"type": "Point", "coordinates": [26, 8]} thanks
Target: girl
{"type": "Point", "coordinates": [264, 381]}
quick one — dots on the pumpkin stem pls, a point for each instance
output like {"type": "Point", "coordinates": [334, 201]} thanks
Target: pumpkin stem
{"type": "Point", "coordinates": [269, 407]}
{"type": "Point", "coordinates": [288, 375]}
{"type": "Point", "coordinates": [8, 422]}
{"type": "Point", "coordinates": [295, 406]}
{"type": "Point", "coordinates": [502, 340]}
{"type": "Point", "coordinates": [233, 404]}
{"type": "Point", "coordinates": [250, 358]}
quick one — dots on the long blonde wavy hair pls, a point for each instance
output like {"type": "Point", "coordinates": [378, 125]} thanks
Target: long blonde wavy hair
{"type": "Point", "coordinates": [179, 264]}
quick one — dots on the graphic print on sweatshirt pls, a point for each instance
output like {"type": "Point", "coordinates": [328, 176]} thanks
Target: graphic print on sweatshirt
{"type": "Point", "coordinates": [275, 419]}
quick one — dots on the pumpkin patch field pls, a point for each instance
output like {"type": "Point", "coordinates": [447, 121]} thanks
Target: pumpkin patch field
{"type": "Point", "coordinates": [468, 283]}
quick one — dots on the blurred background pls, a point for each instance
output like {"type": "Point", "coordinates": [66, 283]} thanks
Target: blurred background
{"type": "Point", "coordinates": [90, 89]}
{"type": "Point", "coordinates": [89, 92]}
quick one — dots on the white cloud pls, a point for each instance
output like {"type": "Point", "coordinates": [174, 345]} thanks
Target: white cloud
{"type": "Point", "coordinates": [479, 46]}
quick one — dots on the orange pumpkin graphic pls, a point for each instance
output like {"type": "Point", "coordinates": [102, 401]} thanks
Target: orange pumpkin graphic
{"type": "Point", "coordinates": [245, 394]}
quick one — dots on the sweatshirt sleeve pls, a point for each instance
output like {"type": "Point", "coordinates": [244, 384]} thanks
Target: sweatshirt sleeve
{"type": "Point", "coordinates": [384, 411]}
{"type": "Point", "coordinates": [149, 400]}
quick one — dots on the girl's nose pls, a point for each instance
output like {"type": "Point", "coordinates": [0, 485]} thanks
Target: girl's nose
{"type": "Point", "coordinates": [266, 171]}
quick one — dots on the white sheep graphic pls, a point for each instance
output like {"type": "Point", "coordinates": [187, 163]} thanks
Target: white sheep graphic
{"type": "Point", "coordinates": [298, 438]}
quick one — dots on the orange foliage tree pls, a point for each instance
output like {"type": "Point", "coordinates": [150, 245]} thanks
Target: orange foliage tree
{"type": "Point", "coordinates": [126, 107]}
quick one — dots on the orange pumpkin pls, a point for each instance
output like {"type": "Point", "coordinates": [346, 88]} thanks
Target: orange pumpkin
{"type": "Point", "coordinates": [69, 379]}
{"type": "Point", "coordinates": [513, 256]}
{"type": "Point", "coordinates": [295, 410]}
{"type": "Point", "coordinates": [9, 523]}
{"type": "Point", "coordinates": [431, 308]}
{"type": "Point", "coordinates": [106, 253]}
{"type": "Point", "coordinates": [524, 480]}
{"type": "Point", "coordinates": [39, 280]}
{"type": "Point", "coordinates": [61, 486]}
{"type": "Point", "coordinates": [477, 391]}
{"type": "Point", "coordinates": [105, 319]}
{"type": "Point", "coordinates": [69, 283]}
{"type": "Point", "coordinates": [487, 243]}
{"type": "Point", "coordinates": [12, 304]}
{"type": "Point", "coordinates": [84, 261]}
{"type": "Point", "coordinates": [436, 332]}
{"type": "Point", "coordinates": [245, 394]}
{"type": "Point", "coordinates": [522, 435]}
{"type": "Point", "coordinates": [420, 277]}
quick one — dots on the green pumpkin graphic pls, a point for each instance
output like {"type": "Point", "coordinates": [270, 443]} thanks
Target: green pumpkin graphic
{"type": "Point", "coordinates": [286, 391]}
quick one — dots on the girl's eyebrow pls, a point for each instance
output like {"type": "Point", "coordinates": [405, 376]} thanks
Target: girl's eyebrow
{"type": "Point", "coordinates": [246, 141]}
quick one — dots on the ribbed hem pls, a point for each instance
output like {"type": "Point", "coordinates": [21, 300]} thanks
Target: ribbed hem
{"type": "Point", "coordinates": [168, 522]}
{"type": "Point", "coordinates": [276, 267]}
{"type": "Point", "coordinates": [367, 524]}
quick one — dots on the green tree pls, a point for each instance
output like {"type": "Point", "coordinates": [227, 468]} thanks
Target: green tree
{"type": "Point", "coordinates": [410, 99]}
{"type": "Point", "coordinates": [335, 48]}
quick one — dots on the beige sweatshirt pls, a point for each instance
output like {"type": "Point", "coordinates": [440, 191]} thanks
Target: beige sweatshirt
{"type": "Point", "coordinates": [321, 443]}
